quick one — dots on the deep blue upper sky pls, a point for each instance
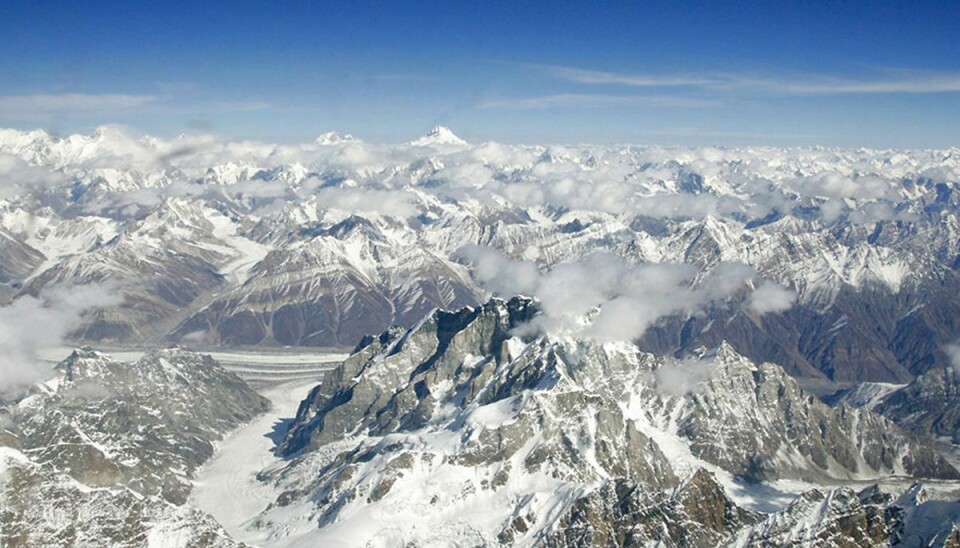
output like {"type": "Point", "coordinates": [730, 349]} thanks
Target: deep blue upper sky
{"type": "Point", "coordinates": [879, 74]}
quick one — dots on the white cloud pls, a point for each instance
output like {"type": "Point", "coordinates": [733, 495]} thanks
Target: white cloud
{"type": "Point", "coordinates": [499, 274]}
{"type": "Point", "coordinates": [30, 324]}
{"type": "Point", "coordinates": [872, 212]}
{"type": "Point", "coordinates": [771, 297]}
{"type": "Point", "coordinates": [747, 183]}
{"type": "Point", "coordinates": [832, 209]}
{"type": "Point", "coordinates": [585, 76]}
{"type": "Point", "coordinates": [200, 336]}
{"type": "Point", "coordinates": [18, 177]}
{"type": "Point", "coordinates": [603, 297]}
{"type": "Point", "coordinates": [882, 82]}
{"type": "Point", "coordinates": [395, 203]}
{"type": "Point", "coordinates": [953, 354]}
{"type": "Point", "coordinates": [837, 185]}
{"type": "Point", "coordinates": [917, 82]}
{"type": "Point", "coordinates": [681, 378]}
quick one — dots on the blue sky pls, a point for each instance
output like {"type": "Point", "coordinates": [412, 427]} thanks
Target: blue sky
{"type": "Point", "coordinates": [878, 74]}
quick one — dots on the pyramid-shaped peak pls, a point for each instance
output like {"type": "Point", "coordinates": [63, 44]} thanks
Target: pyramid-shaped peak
{"type": "Point", "coordinates": [439, 135]}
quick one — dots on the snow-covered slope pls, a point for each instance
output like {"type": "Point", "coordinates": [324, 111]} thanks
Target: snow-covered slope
{"type": "Point", "coordinates": [45, 508]}
{"type": "Point", "coordinates": [839, 266]}
{"type": "Point", "coordinates": [103, 453]}
{"type": "Point", "coordinates": [144, 425]}
{"type": "Point", "coordinates": [438, 136]}
{"type": "Point", "coordinates": [321, 243]}
{"type": "Point", "coordinates": [458, 431]}
{"type": "Point", "coordinates": [226, 486]}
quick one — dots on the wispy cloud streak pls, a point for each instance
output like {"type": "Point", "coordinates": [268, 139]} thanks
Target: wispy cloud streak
{"type": "Point", "coordinates": [590, 100]}
{"type": "Point", "coordinates": [889, 82]}
{"type": "Point", "coordinates": [925, 83]}
{"type": "Point", "coordinates": [585, 76]}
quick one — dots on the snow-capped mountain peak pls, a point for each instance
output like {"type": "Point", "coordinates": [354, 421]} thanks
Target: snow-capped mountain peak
{"type": "Point", "coordinates": [439, 135]}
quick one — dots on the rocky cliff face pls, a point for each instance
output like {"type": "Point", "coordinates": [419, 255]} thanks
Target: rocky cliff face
{"type": "Point", "coordinates": [733, 413]}
{"type": "Point", "coordinates": [756, 422]}
{"type": "Point", "coordinates": [696, 513]}
{"type": "Point", "coordinates": [928, 407]}
{"type": "Point", "coordinates": [103, 453]}
{"type": "Point", "coordinates": [699, 513]}
{"type": "Point", "coordinates": [42, 507]}
{"type": "Point", "coordinates": [17, 259]}
{"type": "Point", "coordinates": [331, 288]}
{"type": "Point", "coordinates": [146, 425]}
{"type": "Point", "coordinates": [471, 428]}
{"type": "Point", "coordinates": [490, 434]}
{"type": "Point", "coordinates": [872, 517]}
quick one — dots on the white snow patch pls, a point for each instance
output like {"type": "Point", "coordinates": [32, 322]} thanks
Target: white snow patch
{"type": "Point", "coordinates": [226, 487]}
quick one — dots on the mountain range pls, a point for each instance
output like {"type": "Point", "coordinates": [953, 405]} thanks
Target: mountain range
{"type": "Point", "coordinates": [552, 345]}
{"type": "Point", "coordinates": [320, 244]}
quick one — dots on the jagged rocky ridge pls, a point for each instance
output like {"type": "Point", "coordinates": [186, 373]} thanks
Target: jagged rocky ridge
{"type": "Point", "coordinates": [698, 513]}
{"type": "Point", "coordinates": [871, 517]}
{"type": "Point", "coordinates": [318, 244]}
{"type": "Point", "coordinates": [929, 406]}
{"type": "Point", "coordinates": [103, 453]}
{"type": "Point", "coordinates": [40, 507]}
{"type": "Point", "coordinates": [146, 425]}
{"type": "Point", "coordinates": [484, 435]}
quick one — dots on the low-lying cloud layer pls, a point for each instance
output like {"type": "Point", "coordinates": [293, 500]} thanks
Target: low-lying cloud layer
{"type": "Point", "coordinates": [31, 324]}
{"type": "Point", "coordinates": [127, 174]}
{"type": "Point", "coordinates": [603, 297]}
{"type": "Point", "coordinates": [18, 177]}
